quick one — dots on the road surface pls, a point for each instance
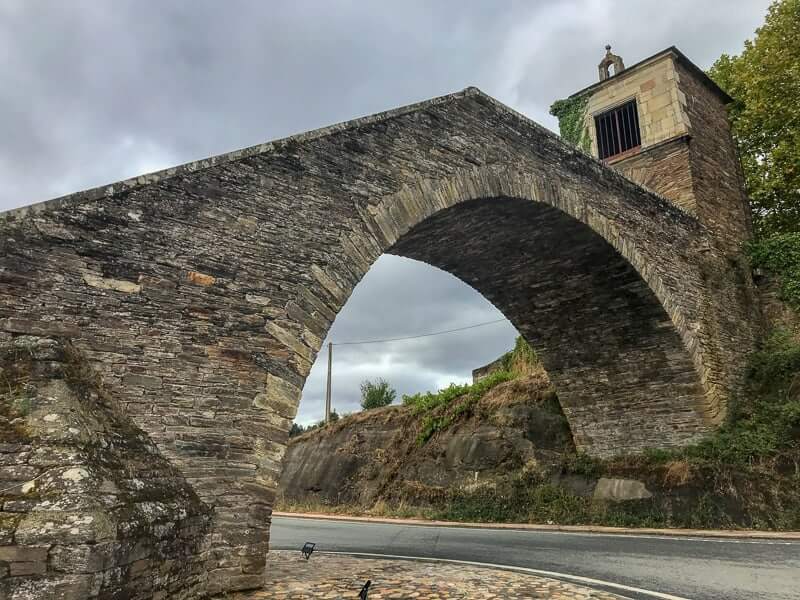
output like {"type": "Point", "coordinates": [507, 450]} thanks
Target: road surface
{"type": "Point", "coordinates": [696, 568]}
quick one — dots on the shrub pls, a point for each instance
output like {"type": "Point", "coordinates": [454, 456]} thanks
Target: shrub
{"type": "Point", "coordinates": [431, 400]}
{"type": "Point", "coordinates": [780, 255]}
{"type": "Point", "coordinates": [442, 410]}
{"type": "Point", "coordinates": [580, 463]}
{"type": "Point", "coordinates": [377, 394]}
{"type": "Point", "coordinates": [521, 359]}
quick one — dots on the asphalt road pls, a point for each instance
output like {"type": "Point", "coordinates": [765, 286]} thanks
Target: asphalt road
{"type": "Point", "coordinates": [695, 568]}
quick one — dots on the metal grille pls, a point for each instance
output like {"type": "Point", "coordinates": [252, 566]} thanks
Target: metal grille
{"type": "Point", "coordinates": [617, 130]}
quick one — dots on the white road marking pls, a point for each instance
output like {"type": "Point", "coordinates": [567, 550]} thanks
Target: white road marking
{"type": "Point", "coordinates": [552, 574]}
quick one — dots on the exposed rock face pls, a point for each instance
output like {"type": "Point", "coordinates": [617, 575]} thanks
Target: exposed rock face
{"type": "Point", "coordinates": [89, 506]}
{"type": "Point", "coordinates": [620, 489]}
{"type": "Point", "coordinates": [512, 460]}
{"type": "Point", "coordinates": [374, 455]}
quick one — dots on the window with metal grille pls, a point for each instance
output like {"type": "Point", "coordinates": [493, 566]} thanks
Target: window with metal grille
{"type": "Point", "coordinates": [617, 130]}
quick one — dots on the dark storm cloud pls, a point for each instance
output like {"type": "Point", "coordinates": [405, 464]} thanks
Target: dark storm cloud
{"type": "Point", "coordinates": [93, 92]}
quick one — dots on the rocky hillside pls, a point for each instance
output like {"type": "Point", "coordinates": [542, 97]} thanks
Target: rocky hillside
{"type": "Point", "coordinates": [501, 450]}
{"type": "Point", "coordinates": [377, 454]}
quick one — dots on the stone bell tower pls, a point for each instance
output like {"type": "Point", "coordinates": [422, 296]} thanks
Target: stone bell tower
{"type": "Point", "coordinates": [610, 60]}
{"type": "Point", "coordinates": [663, 123]}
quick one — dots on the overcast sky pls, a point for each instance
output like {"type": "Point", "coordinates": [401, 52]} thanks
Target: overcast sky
{"type": "Point", "coordinates": [95, 91]}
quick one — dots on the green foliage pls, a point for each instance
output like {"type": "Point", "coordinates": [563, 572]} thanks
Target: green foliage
{"type": "Point", "coordinates": [780, 254]}
{"type": "Point", "coordinates": [440, 409]}
{"type": "Point", "coordinates": [658, 456]}
{"type": "Point", "coordinates": [528, 499]}
{"type": "Point", "coordinates": [571, 114]}
{"type": "Point", "coordinates": [763, 424]}
{"type": "Point", "coordinates": [581, 463]}
{"type": "Point", "coordinates": [429, 401]}
{"type": "Point", "coordinates": [773, 368]}
{"type": "Point", "coordinates": [764, 81]}
{"type": "Point", "coordinates": [376, 394]}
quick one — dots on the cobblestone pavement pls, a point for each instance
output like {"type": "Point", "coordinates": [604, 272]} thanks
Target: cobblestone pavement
{"type": "Point", "coordinates": [290, 577]}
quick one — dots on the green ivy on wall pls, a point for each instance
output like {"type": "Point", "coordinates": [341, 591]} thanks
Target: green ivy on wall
{"type": "Point", "coordinates": [571, 114]}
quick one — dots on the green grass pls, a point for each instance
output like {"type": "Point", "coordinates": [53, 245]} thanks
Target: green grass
{"type": "Point", "coordinates": [441, 409]}
{"type": "Point", "coordinates": [521, 358]}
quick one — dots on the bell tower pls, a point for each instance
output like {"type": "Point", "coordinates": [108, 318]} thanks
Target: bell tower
{"type": "Point", "coordinates": [663, 123]}
{"type": "Point", "coordinates": [610, 60]}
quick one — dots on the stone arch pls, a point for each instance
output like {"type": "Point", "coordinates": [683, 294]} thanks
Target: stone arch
{"type": "Point", "coordinates": [384, 226]}
{"type": "Point", "coordinates": [199, 295]}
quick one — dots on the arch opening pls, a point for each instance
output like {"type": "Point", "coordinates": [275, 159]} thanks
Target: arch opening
{"type": "Point", "coordinates": [402, 297]}
{"type": "Point", "coordinates": [623, 375]}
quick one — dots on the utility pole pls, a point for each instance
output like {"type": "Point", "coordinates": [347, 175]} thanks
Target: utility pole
{"type": "Point", "coordinates": [328, 389]}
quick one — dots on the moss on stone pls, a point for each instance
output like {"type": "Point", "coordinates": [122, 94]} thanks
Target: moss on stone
{"type": "Point", "coordinates": [15, 401]}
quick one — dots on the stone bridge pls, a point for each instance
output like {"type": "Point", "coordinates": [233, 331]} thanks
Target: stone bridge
{"type": "Point", "coordinates": [195, 300]}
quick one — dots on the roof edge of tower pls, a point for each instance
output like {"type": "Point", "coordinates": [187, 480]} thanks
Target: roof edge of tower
{"type": "Point", "coordinates": [677, 55]}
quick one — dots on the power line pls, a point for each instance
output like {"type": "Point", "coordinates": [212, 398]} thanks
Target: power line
{"type": "Point", "coordinates": [423, 335]}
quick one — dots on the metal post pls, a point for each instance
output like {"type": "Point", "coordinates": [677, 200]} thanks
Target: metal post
{"type": "Point", "coordinates": [328, 389]}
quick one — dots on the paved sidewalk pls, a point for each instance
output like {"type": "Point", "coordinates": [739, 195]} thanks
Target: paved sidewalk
{"type": "Point", "coordinates": [290, 577]}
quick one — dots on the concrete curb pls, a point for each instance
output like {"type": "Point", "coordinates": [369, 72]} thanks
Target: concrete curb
{"type": "Point", "coordinates": [707, 533]}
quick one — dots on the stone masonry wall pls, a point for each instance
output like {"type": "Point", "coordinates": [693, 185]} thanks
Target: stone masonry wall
{"type": "Point", "coordinates": [716, 171]}
{"type": "Point", "coordinates": [200, 295]}
{"type": "Point", "coordinates": [665, 169]}
{"type": "Point", "coordinates": [688, 155]}
{"type": "Point", "coordinates": [89, 507]}
{"type": "Point", "coordinates": [487, 369]}
{"type": "Point", "coordinates": [661, 104]}
{"type": "Point", "coordinates": [722, 207]}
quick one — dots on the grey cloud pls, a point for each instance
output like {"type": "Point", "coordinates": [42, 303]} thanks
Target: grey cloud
{"type": "Point", "coordinates": [96, 91]}
{"type": "Point", "coordinates": [401, 297]}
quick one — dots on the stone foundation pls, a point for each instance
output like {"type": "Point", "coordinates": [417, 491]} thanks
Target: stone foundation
{"type": "Point", "coordinates": [90, 509]}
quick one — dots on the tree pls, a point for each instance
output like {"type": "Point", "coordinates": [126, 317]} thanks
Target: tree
{"type": "Point", "coordinates": [764, 81]}
{"type": "Point", "coordinates": [377, 394]}
{"type": "Point", "coordinates": [296, 430]}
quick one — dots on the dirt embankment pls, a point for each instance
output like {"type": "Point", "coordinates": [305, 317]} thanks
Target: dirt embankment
{"type": "Point", "coordinates": [376, 455]}
{"type": "Point", "coordinates": [507, 455]}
